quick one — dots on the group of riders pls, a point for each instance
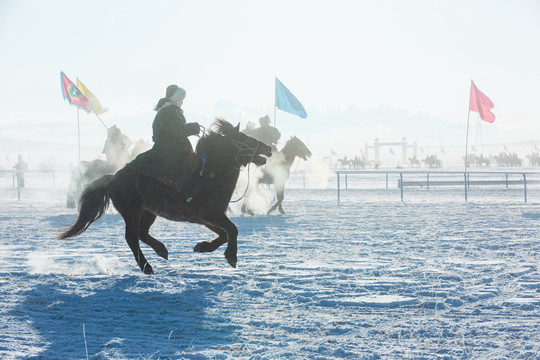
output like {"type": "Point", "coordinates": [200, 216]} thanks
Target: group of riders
{"type": "Point", "coordinates": [171, 157]}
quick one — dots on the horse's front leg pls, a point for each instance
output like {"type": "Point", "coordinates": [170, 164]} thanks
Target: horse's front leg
{"type": "Point", "coordinates": [209, 246]}
{"type": "Point", "coordinates": [222, 222]}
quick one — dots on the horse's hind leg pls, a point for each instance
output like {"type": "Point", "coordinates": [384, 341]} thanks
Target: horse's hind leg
{"type": "Point", "coordinates": [132, 238]}
{"type": "Point", "coordinates": [132, 219]}
{"type": "Point", "coordinates": [280, 195]}
{"type": "Point", "coordinates": [147, 219]}
{"type": "Point", "coordinates": [128, 201]}
{"type": "Point", "coordinates": [209, 246]}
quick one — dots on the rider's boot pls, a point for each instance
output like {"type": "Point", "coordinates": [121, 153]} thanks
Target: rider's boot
{"type": "Point", "coordinates": [189, 187]}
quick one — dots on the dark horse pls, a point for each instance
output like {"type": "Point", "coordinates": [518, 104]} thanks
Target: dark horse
{"type": "Point", "coordinates": [140, 199]}
{"type": "Point", "coordinates": [277, 171]}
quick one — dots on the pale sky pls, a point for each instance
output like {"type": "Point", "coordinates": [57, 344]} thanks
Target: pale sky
{"type": "Point", "coordinates": [362, 69]}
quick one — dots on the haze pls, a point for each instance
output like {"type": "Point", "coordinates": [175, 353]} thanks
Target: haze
{"type": "Point", "coordinates": [362, 69]}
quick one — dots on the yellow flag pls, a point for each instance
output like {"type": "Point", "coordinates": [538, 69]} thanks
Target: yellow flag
{"type": "Point", "coordinates": [97, 108]}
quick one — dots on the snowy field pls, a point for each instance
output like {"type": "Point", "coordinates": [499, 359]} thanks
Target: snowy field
{"type": "Point", "coordinates": [434, 277]}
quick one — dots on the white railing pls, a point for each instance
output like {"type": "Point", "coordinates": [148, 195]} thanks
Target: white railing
{"type": "Point", "coordinates": [467, 178]}
{"type": "Point", "coordinates": [18, 178]}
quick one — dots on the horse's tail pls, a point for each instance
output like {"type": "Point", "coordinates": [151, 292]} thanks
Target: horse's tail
{"type": "Point", "coordinates": [93, 204]}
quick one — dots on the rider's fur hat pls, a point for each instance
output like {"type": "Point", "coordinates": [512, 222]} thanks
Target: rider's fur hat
{"type": "Point", "coordinates": [173, 95]}
{"type": "Point", "coordinates": [173, 90]}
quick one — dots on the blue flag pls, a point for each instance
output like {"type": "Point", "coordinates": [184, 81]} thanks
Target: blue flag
{"type": "Point", "coordinates": [287, 102]}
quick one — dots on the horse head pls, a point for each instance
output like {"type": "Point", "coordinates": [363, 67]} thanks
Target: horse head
{"type": "Point", "coordinates": [298, 148]}
{"type": "Point", "coordinates": [245, 148]}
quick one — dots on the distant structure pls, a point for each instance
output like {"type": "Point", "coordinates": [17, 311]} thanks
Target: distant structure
{"type": "Point", "coordinates": [377, 149]}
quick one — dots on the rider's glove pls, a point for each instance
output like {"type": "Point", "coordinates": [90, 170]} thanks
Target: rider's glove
{"type": "Point", "coordinates": [192, 128]}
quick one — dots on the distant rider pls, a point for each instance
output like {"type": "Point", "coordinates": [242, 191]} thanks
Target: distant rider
{"type": "Point", "coordinates": [267, 133]}
{"type": "Point", "coordinates": [116, 147]}
{"type": "Point", "coordinates": [20, 167]}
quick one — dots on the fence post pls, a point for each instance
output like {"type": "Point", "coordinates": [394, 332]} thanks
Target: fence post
{"type": "Point", "coordinates": [346, 181]}
{"type": "Point", "coordinates": [465, 182]}
{"type": "Point", "coordinates": [18, 187]}
{"type": "Point", "coordinates": [507, 180]}
{"type": "Point", "coordinates": [427, 180]}
{"type": "Point", "coordinates": [338, 190]}
{"type": "Point", "coordinates": [401, 178]}
{"type": "Point", "coordinates": [525, 186]}
{"type": "Point", "coordinates": [386, 181]}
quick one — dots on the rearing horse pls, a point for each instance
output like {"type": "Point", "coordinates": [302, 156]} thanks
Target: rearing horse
{"type": "Point", "coordinates": [277, 171]}
{"type": "Point", "coordinates": [140, 198]}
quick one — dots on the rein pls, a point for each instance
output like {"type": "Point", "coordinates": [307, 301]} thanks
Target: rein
{"type": "Point", "coordinates": [243, 148]}
{"type": "Point", "coordinates": [245, 191]}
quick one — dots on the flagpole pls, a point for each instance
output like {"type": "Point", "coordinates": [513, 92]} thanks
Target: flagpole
{"type": "Point", "coordinates": [79, 133]}
{"type": "Point", "coordinates": [102, 122]}
{"type": "Point", "coordinates": [275, 101]}
{"type": "Point", "coordinates": [467, 143]}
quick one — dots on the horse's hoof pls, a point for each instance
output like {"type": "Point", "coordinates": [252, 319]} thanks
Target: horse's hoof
{"type": "Point", "coordinates": [231, 259]}
{"type": "Point", "coordinates": [199, 248]}
{"type": "Point", "coordinates": [164, 255]}
{"type": "Point", "coordinates": [148, 270]}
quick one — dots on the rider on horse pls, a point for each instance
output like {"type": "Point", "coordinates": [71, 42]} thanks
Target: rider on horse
{"type": "Point", "coordinates": [116, 147]}
{"type": "Point", "coordinates": [170, 157]}
{"type": "Point", "coordinates": [266, 133]}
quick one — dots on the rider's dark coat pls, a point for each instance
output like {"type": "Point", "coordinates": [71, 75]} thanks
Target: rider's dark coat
{"type": "Point", "coordinates": [171, 145]}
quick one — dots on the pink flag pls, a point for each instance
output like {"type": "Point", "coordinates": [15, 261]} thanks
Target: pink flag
{"type": "Point", "coordinates": [481, 104]}
{"type": "Point", "coordinates": [73, 94]}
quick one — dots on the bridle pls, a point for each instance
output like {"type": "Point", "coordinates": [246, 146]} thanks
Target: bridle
{"type": "Point", "coordinates": [243, 150]}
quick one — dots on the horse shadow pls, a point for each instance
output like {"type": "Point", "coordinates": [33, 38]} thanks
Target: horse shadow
{"type": "Point", "coordinates": [263, 224]}
{"type": "Point", "coordinates": [131, 317]}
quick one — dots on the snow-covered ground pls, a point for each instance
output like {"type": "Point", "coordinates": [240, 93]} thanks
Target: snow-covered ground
{"type": "Point", "coordinates": [432, 278]}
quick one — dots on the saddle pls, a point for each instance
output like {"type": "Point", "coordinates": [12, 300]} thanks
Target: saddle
{"type": "Point", "coordinates": [187, 181]}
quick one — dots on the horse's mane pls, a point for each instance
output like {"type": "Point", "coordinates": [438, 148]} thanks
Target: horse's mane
{"type": "Point", "coordinates": [220, 129]}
